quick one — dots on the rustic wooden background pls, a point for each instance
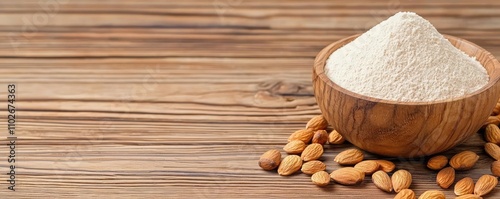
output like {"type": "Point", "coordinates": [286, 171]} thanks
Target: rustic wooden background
{"type": "Point", "coordinates": [178, 99]}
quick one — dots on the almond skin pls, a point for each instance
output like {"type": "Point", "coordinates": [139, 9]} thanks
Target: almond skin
{"type": "Point", "coordinates": [386, 165]}
{"type": "Point", "coordinates": [464, 186]}
{"type": "Point", "coordinates": [349, 157]}
{"type": "Point", "coordinates": [335, 138]}
{"type": "Point", "coordinates": [492, 134]}
{"type": "Point", "coordinates": [290, 165]}
{"type": "Point", "coordinates": [382, 181]}
{"type": "Point", "coordinates": [493, 150]}
{"type": "Point", "coordinates": [347, 176]}
{"type": "Point", "coordinates": [312, 152]}
{"type": "Point", "coordinates": [437, 162]}
{"type": "Point", "coordinates": [321, 178]}
{"type": "Point", "coordinates": [313, 167]}
{"type": "Point", "coordinates": [270, 160]}
{"type": "Point", "coordinates": [469, 196]}
{"type": "Point", "coordinates": [294, 147]}
{"type": "Point", "coordinates": [485, 184]}
{"type": "Point", "coordinates": [368, 166]}
{"type": "Point", "coordinates": [304, 135]}
{"type": "Point", "coordinates": [405, 194]}
{"type": "Point", "coordinates": [320, 137]}
{"type": "Point", "coordinates": [432, 194]}
{"type": "Point", "coordinates": [317, 123]}
{"type": "Point", "coordinates": [464, 160]}
{"type": "Point", "coordinates": [445, 177]}
{"type": "Point", "coordinates": [401, 179]}
{"type": "Point", "coordinates": [495, 168]}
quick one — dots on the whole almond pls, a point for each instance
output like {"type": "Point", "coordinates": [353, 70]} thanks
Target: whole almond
{"type": "Point", "coordinates": [349, 157]}
{"type": "Point", "coordinates": [382, 181]}
{"type": "Point", "coordinates": [405, 194]}
{"type": "Point", "coordinates": [464, 186]}
{"type": "Point", "coordinates": [401, 179]}
{"type": "Point", "coordinates": [335, 138]}
{"type": "Point", "coordinates": [464, 160]}
{"type": "Point", "coordinates": [294, 147]}
{"type": "Point", "coordinates": [348, 176]}
{"type": "Point", "coordinates": [313, 167]}
{"type": "Point", "coordinates": [469, 196]}
{"type": "Point", "coordinates": [437, 162]}
{"type": "Point", "coordinates": [485, 184]}
{"type": "Point", "coordinates": [492, 120]}
{"type": "Point", "coordinates": [367, 166]}
{"type": "Point", "coordinates": [495, 168]}
{"type": "Point", "coordinates": [492, 134]}
{"type": "Point", "coordinates": [386, 165]}
{"type": "Point", "coordinates": [320, 137]}
{"type": "Point", "coordinates": [493, 150]}
{"type": "Point", "coordinates": [312, 152]}
{"type": "Point", "coordinates": [317, 123]}
{"type": "Point", "coordinates": [290, 165]}
{"type": "Point", "coordinates": [270, 160]}
{"type": "Point", "coordinates": [432, 194]}
{"type": "Point", "coordinates": [304, 135]}
{"type": "Point", "coordinates": [321, 178]}
{"type": "Point", "coordinates": [445, 177]}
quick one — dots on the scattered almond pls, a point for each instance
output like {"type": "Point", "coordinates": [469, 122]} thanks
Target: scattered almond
{"type": "Point", "coordinates": [335, 138]}
{"type": "Point", "coordinates": [270, 160]}
{"type": "Point", "coordinates": [312, 152]}
{"type": "Point", "coordinates": [432, 194]}
{"type": "Point", "coordinates": [401, 179]}
{"type": "Point", "coordinates": [349, 157]}
{"type": "Point", "coordinates": [445, 177]}
{"type": "Point", "coordinates": [304, 135]}
{"type": "Point", "coordinates": [464, 160]}
{"type": "Point", "coordinates": [321, 178]}
{"type": "Point", "coordinates": [367, 166]}
{"type": "Point", "coordinates": [469, 196]}
{"type": "Point", "coordinates": [347, 176]}
{"type": "Point", "coordinates": [493, 150]}
{"type": "Point", "coordinates": [382, 181]}
{"type": "Point", "coordinates": [290, 165]}
{"type": "Point", "coordinates": [495, 168]}
{"type": "Point", "coordinates": [313, 167]}
{"type": "Point", "coordinates": [294, 147]}
{"type": "Point", "coordinates": [492, 134]}
{"type": "Point", "coordinates": [320, 137]}
{"type": "Point", "coordinates": [485, 184]}
{"type": "Point", "coordinates": [492, 120]}
{"type": "Point", "coordinates": [437, 162]}
{"type": "Point", "coordinates": [317, 123]}
{"type": "Point", "coordinates": [464, 186]}
{"type": "Point", "coordinates": [405, 194]}
{"type": "Point", "coordinates": [386, 165]}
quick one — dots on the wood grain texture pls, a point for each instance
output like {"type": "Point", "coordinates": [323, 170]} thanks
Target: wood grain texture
{"type": "Point", "coordinates": [178, 99]}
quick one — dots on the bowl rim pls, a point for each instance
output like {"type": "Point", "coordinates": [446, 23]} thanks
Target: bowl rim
{"type": "Point", "coordinates": [324, 55]}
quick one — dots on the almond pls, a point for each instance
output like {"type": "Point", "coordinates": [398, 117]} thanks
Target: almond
{"type": "Point", "coordinates": [290, 165]}
{"type": "Point", "coordinates": [321, 178]}
{"type": "Point", "coordinates": [495, 168]}
{"type": "Point", "coordinates": [485, 184]}
{"type": "Point", "coordinates": [401, 179]}
{"type": "Point", "coordinates": [492, 120]}
{"type": "Point", "coordinates": [349, 157]}
{"type": "Point", "coordinates": [405, 194]}
{"type": "Point", "coordinates": [320, 137]}
{"type": "Point", "coordinates": [317, 123]}
{"type": "Point", "coordinates": [304, 135]}
{"type": "Point", "coordinates": [312, 167]}
{"type": "Point", "coordinates": [382, 181]}
{"type": "Point", "coordinates": [445, 177]}
{"type": "Point", "coordinates": [432, 194]}
{"type": "Point", "coordinates": [437, 162]}
{"type": "Point", "coordinates": [386, 165]}
{"type": "Point", "coordinates": [335, 138]}
{"type": "Point", "coordinates": [347, 176]}
{"type": "Point", "coordinates": [312, 152]}
{"type": "Point", "coordinates": [367, 166]}
{"type": "Point", "coordinates": [464, 186]}
{"type": "Point", "coordinates": [294, 147]}
{"type": "Point", "coordinates": [493, 150]}
{"type": "Point", "coordinates": [492, 134]}
{"type": "Point", "coordinates": [464, 160]}
{"type": "Point", "coordinates": [469, 196]}
{"type": "Point", "coordinates": [270, 160]}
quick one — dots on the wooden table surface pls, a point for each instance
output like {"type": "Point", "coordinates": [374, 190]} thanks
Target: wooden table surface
{"type": "Point", "coordinates": [178, 99]}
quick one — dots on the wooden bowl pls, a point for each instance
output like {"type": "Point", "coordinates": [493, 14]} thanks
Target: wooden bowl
{"type": "Point", "coordinates": [406, 129]}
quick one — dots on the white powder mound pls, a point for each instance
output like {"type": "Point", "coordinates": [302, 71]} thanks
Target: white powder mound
{"type": "Point", "coordinates": [405, 58]}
